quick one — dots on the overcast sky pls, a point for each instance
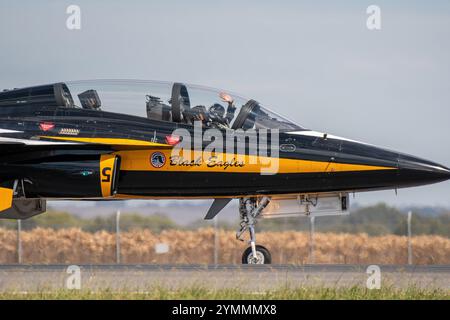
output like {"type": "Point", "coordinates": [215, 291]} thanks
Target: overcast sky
{"type": "Point", "coordinates": [315, 63]}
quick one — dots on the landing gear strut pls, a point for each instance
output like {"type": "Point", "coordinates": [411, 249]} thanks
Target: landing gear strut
{"type": "Point", "coordinates": [249, 210]}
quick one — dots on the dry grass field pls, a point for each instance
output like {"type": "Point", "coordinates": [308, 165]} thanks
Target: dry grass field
{"type": "Point", "coordinates": [76, 246]}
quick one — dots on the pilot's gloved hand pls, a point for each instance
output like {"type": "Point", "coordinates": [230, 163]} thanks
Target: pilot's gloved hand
{"type": "Point", "coordinates": [226, 97]}
{"type": "Point", "coordinates": [199, 117]}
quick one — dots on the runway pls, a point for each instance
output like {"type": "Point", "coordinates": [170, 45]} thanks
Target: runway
{"type": "Point", "coordinates": [32, 278]}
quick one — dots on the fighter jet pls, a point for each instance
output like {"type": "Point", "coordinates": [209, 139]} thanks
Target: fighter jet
{"type": "Point", "coordinates": [128, 139]}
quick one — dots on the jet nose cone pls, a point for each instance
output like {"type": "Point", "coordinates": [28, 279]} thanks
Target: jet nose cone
{"type": "Point", "coordinates": [419, 171]}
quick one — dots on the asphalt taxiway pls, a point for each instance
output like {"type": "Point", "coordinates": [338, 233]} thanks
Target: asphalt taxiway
{"type": "Point", "coordinates": [246, 277]}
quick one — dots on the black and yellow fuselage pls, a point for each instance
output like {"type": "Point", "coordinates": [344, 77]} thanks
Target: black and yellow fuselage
{"type": "Point", "coordinates": [72, 153]}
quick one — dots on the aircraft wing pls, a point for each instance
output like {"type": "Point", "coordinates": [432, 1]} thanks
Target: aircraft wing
{"type": "Point", "coordinates": [216, 207]}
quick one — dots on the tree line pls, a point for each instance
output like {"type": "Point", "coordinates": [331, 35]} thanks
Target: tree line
{"type": "Point", "coordinates": [374, 220]}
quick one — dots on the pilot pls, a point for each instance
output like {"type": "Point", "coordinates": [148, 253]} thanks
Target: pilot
{"type": "Point", "coordinates": [217, 112]}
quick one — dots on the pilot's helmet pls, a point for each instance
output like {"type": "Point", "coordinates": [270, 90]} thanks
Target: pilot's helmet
{"type": "Point", "coordinates": [216, 111]}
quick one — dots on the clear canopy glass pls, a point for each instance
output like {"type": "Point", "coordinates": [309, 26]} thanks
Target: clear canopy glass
{"type": "Point", "coordinates": [175, 102]}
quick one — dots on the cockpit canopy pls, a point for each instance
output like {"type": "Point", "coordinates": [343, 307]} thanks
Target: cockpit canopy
{"type": "Point", "coordinates": [163, 101]}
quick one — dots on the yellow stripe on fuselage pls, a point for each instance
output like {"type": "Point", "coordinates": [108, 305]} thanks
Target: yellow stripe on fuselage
{"type": "Point", "coordinates": [140, 160]}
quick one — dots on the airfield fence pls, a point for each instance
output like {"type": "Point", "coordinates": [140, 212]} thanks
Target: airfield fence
{"type": "Point", "coordinates": [215, 246]}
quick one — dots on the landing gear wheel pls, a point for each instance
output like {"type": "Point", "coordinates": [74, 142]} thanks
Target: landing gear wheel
{"type": "Point", "coordinates": [262, 256]}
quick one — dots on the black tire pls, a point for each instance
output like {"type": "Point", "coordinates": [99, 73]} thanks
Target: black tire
{"type": "Point", "coordinates": [259, 249]}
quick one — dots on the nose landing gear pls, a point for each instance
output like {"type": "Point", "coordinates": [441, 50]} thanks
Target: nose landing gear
{"type": "Point", "coordinates": [262, 255]}
{"type": "Point", "coordinates": [249, 210]}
